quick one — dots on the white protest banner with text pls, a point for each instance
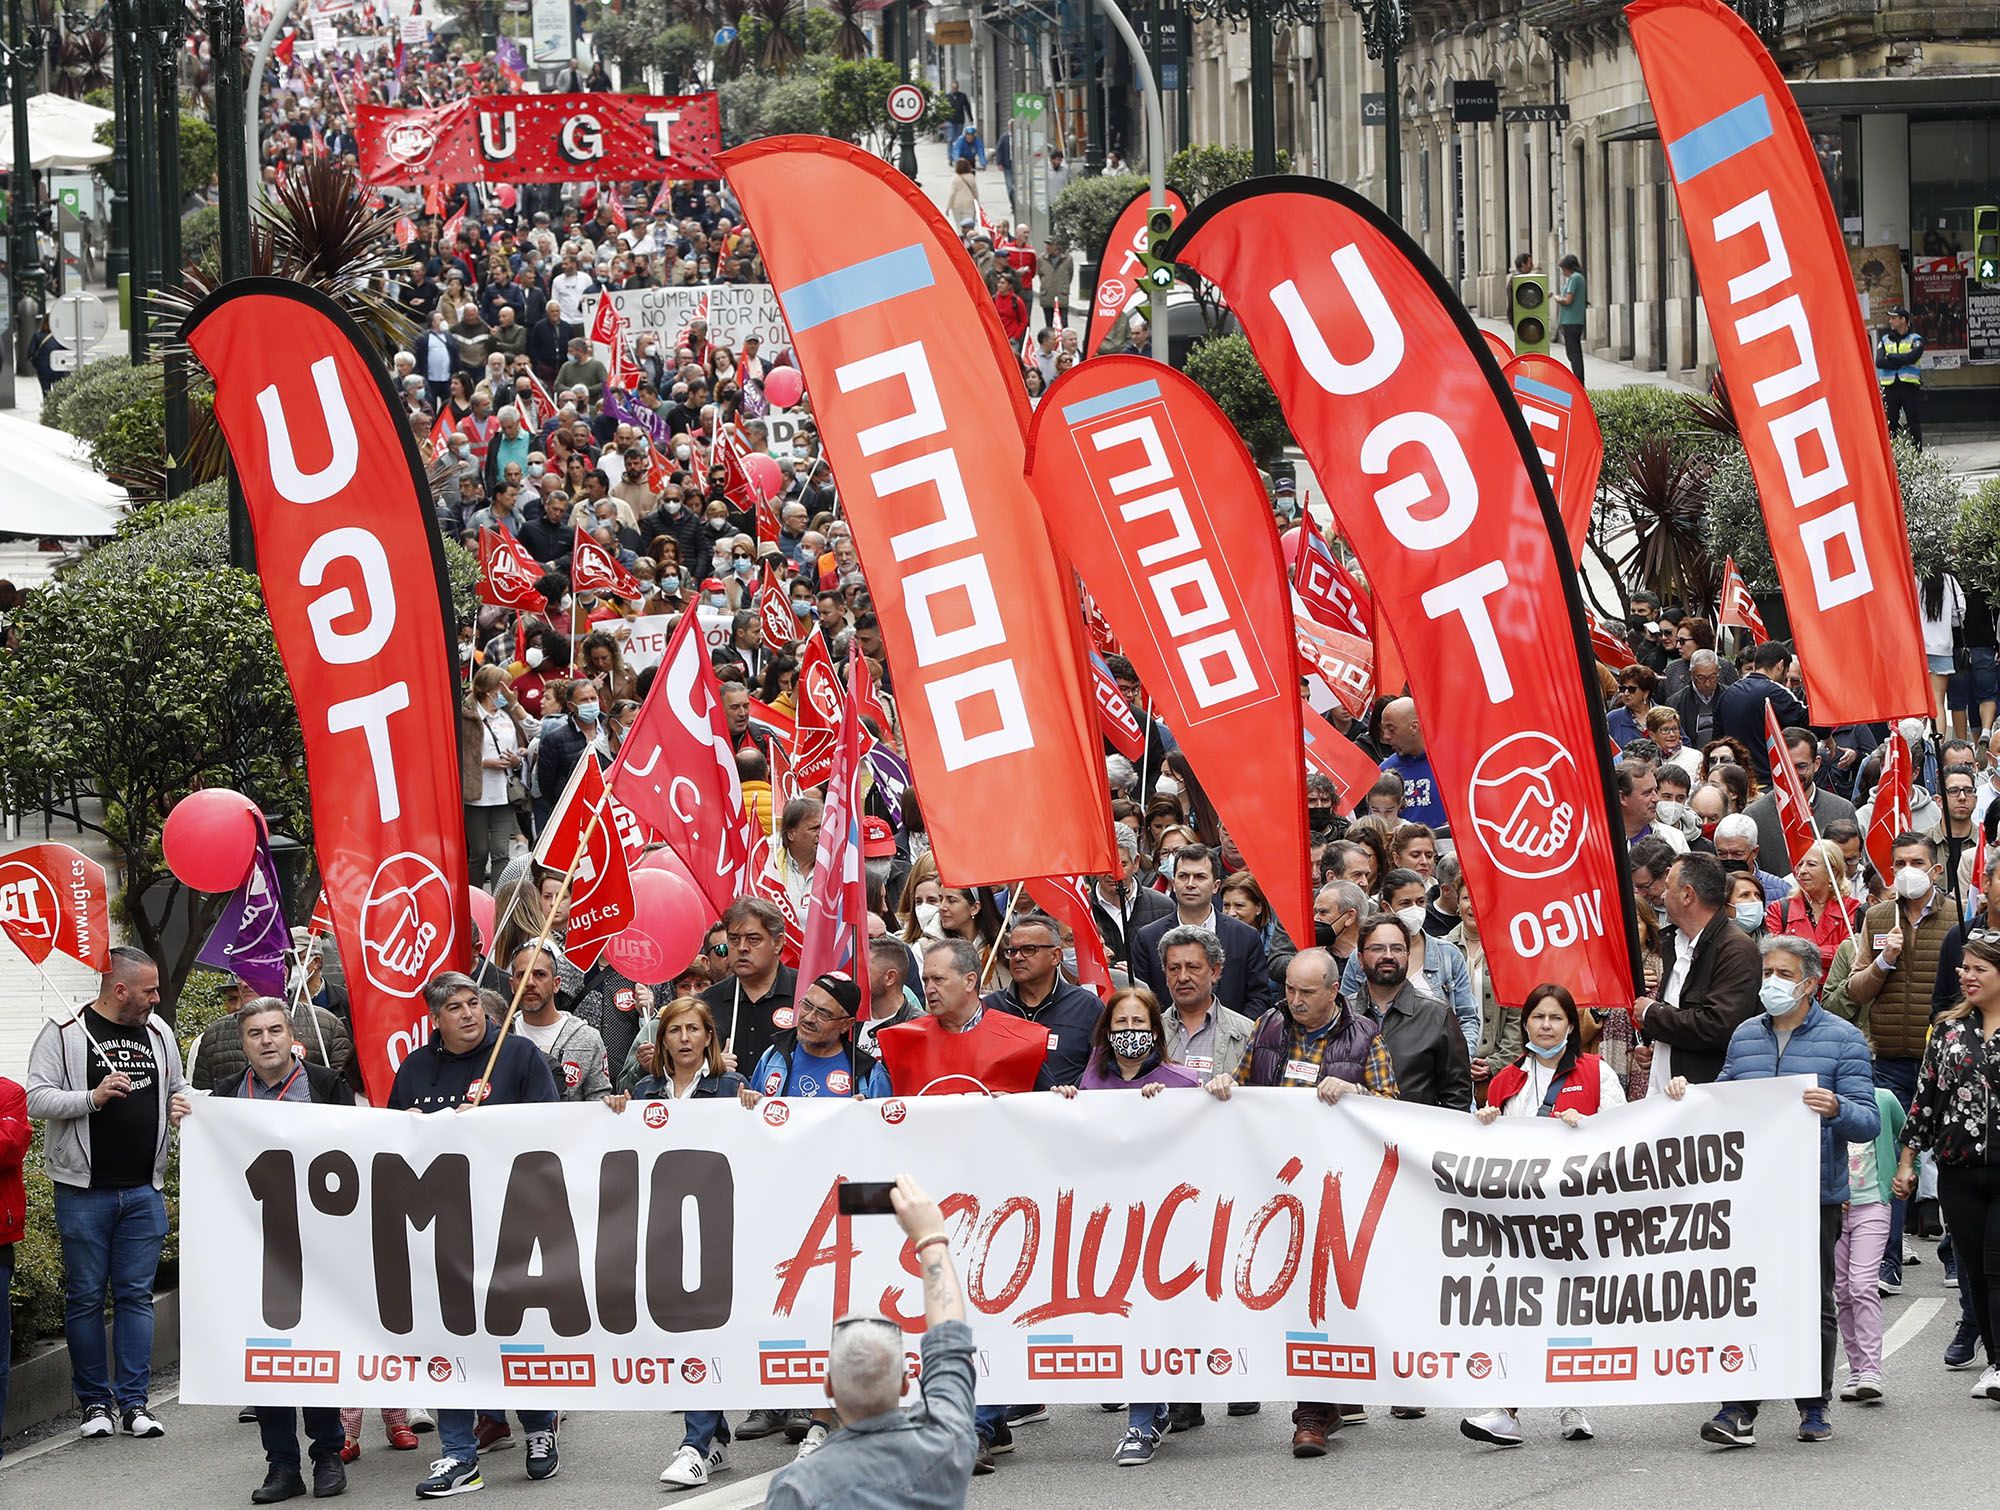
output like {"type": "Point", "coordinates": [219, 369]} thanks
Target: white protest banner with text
{"type": "Point", "coordinates": [646, 637]}
{"type": "Point", "coordinates": [734, 311]}
{"type": "Point", "coordinates": [690, 1255]}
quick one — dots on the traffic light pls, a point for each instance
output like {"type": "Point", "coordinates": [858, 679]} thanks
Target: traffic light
{"type": "Point", "coordinates": [1986, 244]}
{"type": "Point", "coordinates": [1528, 312]}
{"type": "Point", "coordinates": [1159, 226]}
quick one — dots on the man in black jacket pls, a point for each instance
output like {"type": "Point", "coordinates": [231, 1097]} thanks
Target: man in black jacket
{"type": "Point", "coordinates": [1120, 906]}
{"type": "Point", "coordinates": [1712, 975]}
{"type": "Point", "coordinates": [1246, 982]}
{"type": "Point", "coordinates": [1038, 992]}
{"type": "Point", "coordinates": [279, 1071]}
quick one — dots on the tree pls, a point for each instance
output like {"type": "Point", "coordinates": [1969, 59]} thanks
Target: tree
{"type": "Point", "coordinates": [758, 105]}
{"type": "Point", "coordinates": [1087, 208]}
{"type": "Point", "coordinates": [198, 150]}
{"type": "Point", "coordinates": [854, 99]}
{"type": "Point", "coordinates": [1227, 371]}
{"type": "Point", "coordinates": [1200, 171]}
{"type": "Point", "coordinates": [1976, 542]}
{"type": "Point", "coordinates": [647, 34]}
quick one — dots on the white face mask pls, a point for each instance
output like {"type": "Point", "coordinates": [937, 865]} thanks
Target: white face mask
{"type": "Point", "coordinates": [1669, 812]}
{"type": "Point", "coordinates": [1413, 917]}
{"type": "Point", "coordinates": [533, 657]}
{"type": "Point", "coordinates": [1912, 883]}
{"type": "Point", "coordinates": [1749, 915]}
{"type": "Point", "coordinates": [1166, 786]}
{"type": "Point", "coordinates": [927, 917]}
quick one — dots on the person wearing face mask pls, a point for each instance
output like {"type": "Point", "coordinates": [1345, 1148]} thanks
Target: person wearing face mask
{"type": "Point", "coordinates": [675, 521]}
{"type": "Point", "coordinates": [1553, 1078]}
{"type": "Point", "coordinates": [1128, 1052]}
{"type": "Point", "coordinates": [1747, 904]}
{"type": "Point", "coordinates": [1795, 1035]}
{"type": "Point", "coordinates": [1901, 942]}
{"type": "Point", "coordinates": [580, 734]}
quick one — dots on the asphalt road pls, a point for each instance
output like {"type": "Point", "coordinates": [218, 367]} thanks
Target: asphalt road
{"type": "Point", "coordinates": [1928, 1438]}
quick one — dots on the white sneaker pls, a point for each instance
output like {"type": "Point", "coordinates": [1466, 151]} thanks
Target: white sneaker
{"type": "Point", "coordinates": [1988, 1387]}
{"type": "Point", "coordinates": [1496, 1426]}
{"type": "Point", "coordinates": [1867, 1389]}
{"type": "Point", "coordinates": [690, 1469]}
{"type": "Point", "coordinates": [98, 1422]}
{"type": "Point", "coordinates": [1851, 1390]}
{"type": "Point", "coordinates": [139, 1422]}
{"type": "Point", "coordinates": [421, 1420]}
{"type": "Point", "coordinates": [1575, 1425]}
{"type": "Point", "coordinates": [815, 1439]}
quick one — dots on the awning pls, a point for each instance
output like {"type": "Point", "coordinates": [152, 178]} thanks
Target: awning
{"type": "Point", "coordinates": [1972, 95]}
{"type": "Point", "coordinates": [50, 493]}
{"type": "Point", "coordinates": [59, 134]}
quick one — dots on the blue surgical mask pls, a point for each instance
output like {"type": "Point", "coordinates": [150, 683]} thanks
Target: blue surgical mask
{"type": "Point", "coordinates": [1778, 995]}
{"type": "Point", "coordinates": [1552, 1053]}
{"type": "Point", "coordinates": [746, 568]}
{"type": "Point", "coordinates": [670, 584]}
{"type": "Point", "coordinates": [587, 713]}
{"type": "Point", "coordinates": [801, 609]}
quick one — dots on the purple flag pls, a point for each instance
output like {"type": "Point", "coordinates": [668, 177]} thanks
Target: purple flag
{"type": "Point", "coordinates": [251, 937]}
{"type": "Point", "coordinates": [510, 55]}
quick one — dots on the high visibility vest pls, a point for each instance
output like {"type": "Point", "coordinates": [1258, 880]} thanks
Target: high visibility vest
{"type": "Point", "coordinates": [1898, 346]}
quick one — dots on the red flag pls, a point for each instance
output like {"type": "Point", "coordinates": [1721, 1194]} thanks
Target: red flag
{"type": "Point", "coordinates": [617, 206]}
{"type": "Point", "coordinates": [1066, 899]}
{"type": "Point", "coordinates": [406, 230]}
{"type": "Point", "coordinates": [774, 610]}
{"type": "Point", "coordinates": [1567, 439]}
{"type": "Point", "coordinates": [1121, 275]}
{"type": "Point", "coordinates": [743, 488]}
{"type": "Point", "coordinates": [1977, 880]}
{"type": "Point", "coordinates": [286, 45]}
{"type": "Point", "coordinates": [524, 139]}
{"type": "Point", "coordinates": [507, 573]}
{"type": "Point", "coordinates": [606, 322]}
{"type": "Point", "coordinates": [1328, 589]}
{"type": "Point", "coordinates": [1389, 388]}
{"type": "Point", "coordinates": [913, 388]}
{"type": "Point", "coordinates": [320, 924]}
{"type": "Point", "coordinates": [821, 707]}
{"type": "Point", "coordinates": [1340, 760]}
{"type": "Point", "coordinates": [441, 431]}
{"type": "Point", "coordinates": [53, 900]}
{"type": "Point", "coordinates": [1794, 812]}
{"type": "Point", "coordinates": [433, 198]}
{"type": "Point", "coordinates": [1738, 609]}
{"type": "Point", "coordinates": [625, 371]}
{"type": "Point", "coordinates": [1147, 489]}
{"type": "Point", "coordinates": [1344, 663]}
{"type": "Point", "coordinates": [1606, 646]}
{"type": "Point", "coordinates": [448, 235]}
{"type": "Point", "coordinates": [1502, 349]}
{"type": "Point", "coordinates": [1773, 267]}
{"type": "Point", "coordinates": [677, 773]}
{"type": "Point", "coordinates": [836, 922]}
{"type": "Point", "coordinates": [1102, 640]}
{"type": "Point", "coordinates": [354, 581]}
{"type": "Point", "coordinates": [1115, 716]}
{"type": "Point", "coordinates": [1891, 814]}
{"type": "Point", "coordinates": [600, 891]}
{"type": "Point", "coordinates": [592, 568]}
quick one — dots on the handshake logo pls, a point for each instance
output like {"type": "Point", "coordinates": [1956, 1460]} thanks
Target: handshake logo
{"type": "Point", "coordinates": [1524, 820]}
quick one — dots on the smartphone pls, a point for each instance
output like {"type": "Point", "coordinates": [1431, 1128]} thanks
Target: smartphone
{"type": "Point", "coordinates": [866, 1198]}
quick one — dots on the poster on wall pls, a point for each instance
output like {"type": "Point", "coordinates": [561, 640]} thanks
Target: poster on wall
{"type": "Point", "coordinates": [1878, 279]}
{"type": "Point", "coordinates": [1982, 326]}
{"type": "Point", "coordinates": [1937, 307]}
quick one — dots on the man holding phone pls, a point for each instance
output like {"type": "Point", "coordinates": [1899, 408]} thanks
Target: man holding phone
{"type": "Point", "coordinates": [883, 1454]}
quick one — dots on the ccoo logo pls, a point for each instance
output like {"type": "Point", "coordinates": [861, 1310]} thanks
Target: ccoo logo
{"type": "Point", "coordinates": [1520, 809]}
{"type": "Point", "coordinates": [407, 924]}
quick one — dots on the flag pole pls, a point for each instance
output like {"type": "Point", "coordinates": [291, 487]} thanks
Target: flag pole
{"type": "Point", "coordinates": [542, 940]}
{"type": "Point", "coordinates": [302, 1000]}
{"type": "Point", "coordinates": [1013, 896]}
{"type": "Point", "coordinates": [63, 997]}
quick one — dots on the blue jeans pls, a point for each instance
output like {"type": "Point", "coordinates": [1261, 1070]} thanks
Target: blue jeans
{"type": "Point", "coordinates": [1899, 1078]}
{"type": "Point", "coordinates": [1151, 1418]}
{"type": "Point", "coordinates": [457, 1430]}
{"type": "Point", "coordinates": [704, 1429]}
{"type": "Point", "coordinates": [6, 1325]}
{"type": "Point", "coordinates": [987, 1419]}
{"type": "Point", "coordinates": [278, 1426]}
{"type": "Point", "coordinates": [110, 1238]}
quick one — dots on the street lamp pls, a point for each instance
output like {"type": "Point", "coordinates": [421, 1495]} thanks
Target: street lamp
{"type": "Point", "coordinates": [1263, 17]}
{"type": "Point", "coordinates": [1384, 30]}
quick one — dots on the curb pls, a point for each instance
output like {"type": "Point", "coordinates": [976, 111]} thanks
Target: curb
{"type": "Point", "coordinates": [38, 1388]}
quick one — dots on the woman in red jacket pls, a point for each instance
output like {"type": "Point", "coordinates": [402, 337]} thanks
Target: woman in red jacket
{"type": "Point", "coordinates": [14, 1138]}
{"type": "Point", "coordinates": [1552, 1078]}
{"type": "Point", "coordinates": [1820, 910]}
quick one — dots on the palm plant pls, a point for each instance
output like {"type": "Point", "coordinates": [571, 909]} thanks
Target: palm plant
{"type": "Point", "coordinates": [1666, 501]}
{"type": "Point", "coordinates": [781, 44]}
{"type": "Point", "coordinates": [850, 43]}
{"type": "Point", "coordinates": [1717, 412]}
{"type": "Point", "coordinates": [730, 62]}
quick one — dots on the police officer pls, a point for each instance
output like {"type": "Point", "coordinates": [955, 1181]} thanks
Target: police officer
{"type": "Point", "coordinates": [1898, 350]}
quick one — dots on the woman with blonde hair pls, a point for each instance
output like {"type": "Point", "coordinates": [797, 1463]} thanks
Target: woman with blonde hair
{"type": "Point", "coordinates": [1819, 910]}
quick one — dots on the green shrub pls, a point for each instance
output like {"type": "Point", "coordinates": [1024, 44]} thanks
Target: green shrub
{"type": "Point", "coordinates": [1201, 170]}
{"type": "Point", "coordinates": [757, 105]}
{"type": "Point", "coordinates": [132, 441]}
{"type": "Point", "coordinates": [1976, 545]}
{"type": "Point", "coordinates": [1226, 370]}
{"type": "Point", "coordinates": [1626, 416]}
{"type": "Point", "coordinates": [201, 240]}
{"type": "Point", "coordinates": [81, 402]}
{"type": "Point", "coordinates": [1085, 211]}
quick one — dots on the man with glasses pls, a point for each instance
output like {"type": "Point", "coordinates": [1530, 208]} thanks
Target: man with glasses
{"type": "Point", "coordinates": [1698, 697]}
{"type": "Point", "coordinates": [754, 1004]}
{"type": "Point", "coordinates": [1692, 637]}
{"type": "Point", "coordinates": [883, 1455]}
{"type": "Point", "coordinates": [1039, 994]}
{"type": "Point", "coordinates": [1802, 749]}
{"type": "Point", "coordinates": [1958, 835]}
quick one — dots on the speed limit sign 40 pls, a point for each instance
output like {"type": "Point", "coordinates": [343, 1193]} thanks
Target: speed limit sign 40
{"type": "Point", "coordinates": [906, 104]}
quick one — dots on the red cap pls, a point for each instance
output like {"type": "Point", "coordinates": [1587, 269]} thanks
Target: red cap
{"type": "Point", "coordinates": [877, 838]}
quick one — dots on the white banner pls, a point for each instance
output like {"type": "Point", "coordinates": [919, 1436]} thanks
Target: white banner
{"type": "Point", "coordinates": [734, 311]}
{"type": "Point", "coordinates": [646, 636]}
{"type": "Point", "coordinates": [689, 1255]}
{"type": "Point", "coordinates": [552, 44]}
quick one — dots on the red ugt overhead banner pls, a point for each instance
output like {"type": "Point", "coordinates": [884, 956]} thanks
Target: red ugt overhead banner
{"type": "Point", "coordinates": [1395, 398]}
{"type": "Point", "coordinates": [1567, 439]}
{"type": "Point", "coordinates": [355, 585]}
{"type": "Point", "coordinates": [1788, 332]}
{"type": "Point", "coordinates": [921, 410]}
{"type": "Point", "coordinates": [541, 138]}
{"type": "Point", "coordinates": [1121, 276]}
{"type": "Point", "coordinates": [1148, 490]}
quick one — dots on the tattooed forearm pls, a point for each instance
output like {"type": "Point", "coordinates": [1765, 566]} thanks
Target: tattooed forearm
{"type": "Point", "coordinates": [942, 1301]}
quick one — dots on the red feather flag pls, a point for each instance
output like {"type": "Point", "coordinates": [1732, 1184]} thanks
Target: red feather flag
{"type": "Point", "coordinates": [1891, 813]}
{"type": "Point", "coordinates": [1738, 609]}
{"type": "Point", "coordinates": [1067, 900]}
{"type": "Point", "coordinates": [1794, 812]}
{"type": "Point", "coordinates": [1567, 439]}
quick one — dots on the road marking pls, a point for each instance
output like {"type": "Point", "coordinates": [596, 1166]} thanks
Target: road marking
{"type": "Point", "coordinates": [1910, 1323]}
{"type": "Point", "coordinates": [738, 1496]}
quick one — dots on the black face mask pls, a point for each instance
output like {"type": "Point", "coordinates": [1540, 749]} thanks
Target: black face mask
{"type": "Point", "coordinates": [1325, 935]}
{"type": "Point", "coordinates": [1319, 819]}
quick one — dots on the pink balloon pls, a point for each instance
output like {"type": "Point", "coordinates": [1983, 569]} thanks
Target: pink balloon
{"type": "Point", "coordinates": [483, 909]}
{"type": "Point", "coordinates": [783, 387]}
{"type": "Point", "coordinates": [210, 839]}
{"type": "Point", "coordinates": [764, 474]}
{"type": "Point", "coordinates": [665, 860]}
{"type": "Point", "coordinates": [669, 919]}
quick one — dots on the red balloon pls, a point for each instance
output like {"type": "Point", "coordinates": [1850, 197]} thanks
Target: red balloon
{"type": "Point", "coordinates": [483, 910]}
{"type": "Point", "coordinates": [783, 387]}
{"type": "Point", "coordinates": [668, 921]}
{"type": "Point", "coordinates": [210, 839]}
{"type": "Point", "coordinates": [662, 858]}
{"type": "Point", "coordinates": [764, 474]}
